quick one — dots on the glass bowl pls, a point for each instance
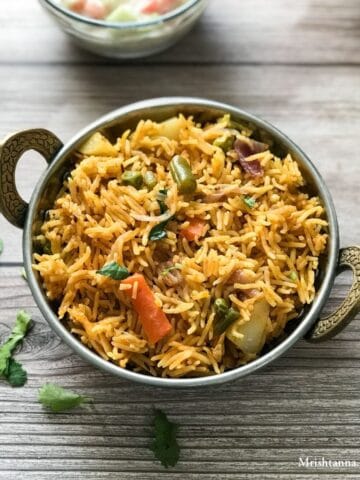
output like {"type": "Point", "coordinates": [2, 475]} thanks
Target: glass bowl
{"type": "Point", "coordinates": [126, 40]}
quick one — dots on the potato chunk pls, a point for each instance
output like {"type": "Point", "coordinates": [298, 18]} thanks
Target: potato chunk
{"type": "Point", "coordinates": [250, 336]}
{"type": "Point", "coordinates": [98, 145]}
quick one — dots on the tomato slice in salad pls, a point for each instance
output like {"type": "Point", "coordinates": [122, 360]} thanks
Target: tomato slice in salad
{"type": "Point", "coordinates": [159, 6]}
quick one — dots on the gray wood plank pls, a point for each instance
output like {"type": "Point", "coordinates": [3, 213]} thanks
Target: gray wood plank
{"type": "Point", "coordinates": [281, 31]}
{"type": "Point", "coordinates": [318, 107]}
{"type": "Point", "coordinates": [56, 475]}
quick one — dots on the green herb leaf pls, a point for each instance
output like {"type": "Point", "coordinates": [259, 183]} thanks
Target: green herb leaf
{"type": "Point", "coordinates": [165, 446]}
{"type": "Point", "coordinates": [22, 325]}
{"type": "Point", "coordinates": [58, 399]}
{"type": "Point", "coordinates": [176, 266]}
{"type": "Point", "coordinates": [161, 198]}
{"type": "Point", "coordinates": [158, 232]}
{"type": "Point", "coordinates": [249, 201]}
{"type": "Point", "coordinates": [114, 271]}
{"type": "Point", "coordinates": [1, 246]}
{"type": "Point", "coordinates": [15, 374]}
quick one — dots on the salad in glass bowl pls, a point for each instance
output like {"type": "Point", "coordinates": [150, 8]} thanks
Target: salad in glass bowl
{"type": "Point", "coordinates": [125, 28]}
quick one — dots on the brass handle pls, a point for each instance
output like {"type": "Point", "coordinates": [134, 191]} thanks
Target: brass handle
{"type": "Point", "coordinates": [329, 326]}
{"type": "Point", "coordinates": [12, 206]}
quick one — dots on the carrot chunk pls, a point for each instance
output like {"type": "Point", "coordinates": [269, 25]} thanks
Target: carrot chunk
{"type": "Point", "coordinates": [195, 230]}
{"type": "Point", "coordinates": [154, 321]}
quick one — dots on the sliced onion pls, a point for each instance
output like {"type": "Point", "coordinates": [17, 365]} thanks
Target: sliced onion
{"type": "Point", "coordinates": [148, 218]}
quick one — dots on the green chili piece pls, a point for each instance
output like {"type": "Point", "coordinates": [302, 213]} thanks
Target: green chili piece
{"type": "Point", "coordinates": [223, 323]}
{"type": "Point", "coordinates": [225, 142]}
{"type": "Point", "coordinates": [150, 180]}
{"type": "Point", "coordinates": [135, 179]}
{"type": "Point", "coordinates": [221, 306]}
{"type": "Point", "coordinates": [181, 172]}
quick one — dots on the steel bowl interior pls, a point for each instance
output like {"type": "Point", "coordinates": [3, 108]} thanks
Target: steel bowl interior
{"type": "Point", "coordinates": [159, 109]}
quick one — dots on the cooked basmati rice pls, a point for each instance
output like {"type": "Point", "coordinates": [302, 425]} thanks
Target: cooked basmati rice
{"type": "Point", "coordinates": [95, 220]}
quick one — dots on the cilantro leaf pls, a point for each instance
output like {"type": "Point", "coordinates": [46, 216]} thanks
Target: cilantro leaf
{"type": "Point", "coordinates": [249, 201]}
{"type": "Point", "coordinates": [59, 399]}
{"type": "Point", "coordinates": [1, 246]}
{"type": "Point", "coordinates": [161, 197]}
{"type": "Point", "coordinates": [176, 266]}
{"type": "Point", "coordinates": [15, 374]}
{"type": "Point", "coordinates": [114, 271]}
{"type": "Point", "coordinates": [165, 446]}
{"type": "Point", "coordinates": [22, 325]}
{"type": "Point", "coordinates": [158, 232]}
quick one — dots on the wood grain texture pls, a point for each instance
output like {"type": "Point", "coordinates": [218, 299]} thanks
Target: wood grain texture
{"type": "Point", "coordinates": [297, 64]}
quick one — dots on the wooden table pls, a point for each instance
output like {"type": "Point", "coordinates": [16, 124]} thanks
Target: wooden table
{"type": "Point", "coordinates": [296, 64]}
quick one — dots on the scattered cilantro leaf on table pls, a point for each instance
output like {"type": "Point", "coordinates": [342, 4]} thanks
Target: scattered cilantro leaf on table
{"type": "Point", "coordinates": [165, 446]}
{"type": "Point", "coordinates": [59, 399]}
{"type": "Point", "coordinates": [10, 369]}
{"type": "Point", "coordinates": [15, 374]}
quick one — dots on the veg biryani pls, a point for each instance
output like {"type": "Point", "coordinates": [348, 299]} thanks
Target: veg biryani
{"type": "Point", "coordinates": [183, 248]}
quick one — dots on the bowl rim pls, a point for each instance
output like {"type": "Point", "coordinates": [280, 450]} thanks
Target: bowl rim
{"type": "Point", "coordinates": [92, 357]}
{"type": "Point", "coordinates": [177, 12]}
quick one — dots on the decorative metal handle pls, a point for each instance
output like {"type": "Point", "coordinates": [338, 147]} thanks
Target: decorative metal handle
{"type": "Point", "coordinates": [329, 326]}
{"type": "Point", "coordinates": [12, 206]}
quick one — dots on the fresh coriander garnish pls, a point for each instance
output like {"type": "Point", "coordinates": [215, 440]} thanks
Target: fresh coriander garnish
{"type": "Point", "coordinates": [59, 399]}
{"type": "Point", "coordinates": [176, 266]}
{"type": "Point", "coordinates": [114, 271]}
{"type": "Point", "coordinates": [249, 201]}
{"type": "Point", "coordinates": [165, 446]}
{"type": "Point", "coordinates": [161, 198]}
{"type": "Point", "coordinates": [11, 370]}
{"type": "Point", "coordinates": [15, 374]}
{"type": "Point", "coordinates": [159, 231]}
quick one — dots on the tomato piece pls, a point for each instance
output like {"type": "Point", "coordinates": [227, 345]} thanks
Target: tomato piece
{"type": "Point", "coordinates": [94, 9]}
{"type": "Point", "coordinates": [195, 230]}
{"type": "Point", "coordinates": [158, 6]}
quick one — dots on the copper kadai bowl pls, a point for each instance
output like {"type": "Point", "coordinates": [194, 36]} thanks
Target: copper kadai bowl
{"type": "Point", "coordinates": [310, 324]}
